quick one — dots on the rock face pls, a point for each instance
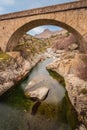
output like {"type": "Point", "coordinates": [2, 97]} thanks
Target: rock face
{"type": "Point", "coordinates": [79, 66]}
{"type": "Point", "coordinates": [38, 94]}
{"type": "Point", "coordinates": [77, 91]}
{"type": "Point", "coordinates": [13, 68]}
{"type": "Point", "coordinates": [73, 67]}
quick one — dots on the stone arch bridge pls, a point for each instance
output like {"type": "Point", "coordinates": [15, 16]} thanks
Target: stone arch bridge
{"type": "Point", "coordinates": [70, 16]}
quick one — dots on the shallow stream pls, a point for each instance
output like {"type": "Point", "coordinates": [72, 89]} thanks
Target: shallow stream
{"type": "Point", "coordinates": [54, 113]}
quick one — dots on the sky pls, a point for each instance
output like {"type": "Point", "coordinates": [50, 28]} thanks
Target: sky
{"type": "Point", "coordinates": [8, 6]}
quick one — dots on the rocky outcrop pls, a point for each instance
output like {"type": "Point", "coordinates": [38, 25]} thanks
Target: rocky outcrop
{"type": "Point", "coordinates": [48, 33]}
{"type": "Point", "coordinates": [66, 41]}
{"type": "Point", "coordinates": [62, 40]}
{"type": "Point", "coordinates": [45, 34]}
{"type": "Point", "coordinates": [13, 68]}
{"type": "Point", "coordinates": [77, 91]}
{"type": "Point", "coordinates": [79, 66]}
{"type": "Point", "coordinates": [72, 66]}
{"type": "Point", "coordinates": [59, 39]}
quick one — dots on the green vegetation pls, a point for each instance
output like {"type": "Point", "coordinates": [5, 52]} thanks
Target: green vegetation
{"type": "Point", "coordinates": [5, 61]}
{"type": "Point", "coordinates": [52, 36]}
{"type": "Point", "coordinates": [67, 34]}
{"type": "Point", "coordinates": [4, 57]}
{"type": "Point", "coordinates": [16, 98]}
{"type": "Point", "coordinates": [30, 45]}
{"type": "Point", "coordinates": [83, 91]}
{"type": "Point", "coordinates": [48, 110]}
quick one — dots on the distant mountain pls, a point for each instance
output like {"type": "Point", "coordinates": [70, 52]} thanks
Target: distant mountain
{"type": "Point", "coordinates": [48, 33]}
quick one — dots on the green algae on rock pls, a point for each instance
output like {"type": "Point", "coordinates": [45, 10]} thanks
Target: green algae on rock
{"type": "Point", "coordinates": [4, 57]}
{"type": "Point", "coordinates": [57, 76]}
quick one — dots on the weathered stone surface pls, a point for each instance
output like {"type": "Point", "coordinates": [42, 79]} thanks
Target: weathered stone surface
{"type": "Point", "coordinates": [77, 91]}
{"type": "Point", "coordinates": [38, 94]}
{"type": "Point", "coordinates": [63, 64]}
{"type": "Point", "coordinates": [81, 127]}
{"type": "Point", "coordinates": [79, 66]}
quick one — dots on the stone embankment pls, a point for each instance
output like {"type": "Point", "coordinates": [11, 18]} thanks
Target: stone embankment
{"type": "Point", "coordinates": [72, 66]}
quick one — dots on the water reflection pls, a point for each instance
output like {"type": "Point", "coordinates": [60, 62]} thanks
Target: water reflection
{"type": "Point", "coordinates": [13, 119]}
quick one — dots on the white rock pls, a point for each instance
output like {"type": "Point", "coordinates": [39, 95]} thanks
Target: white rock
{"type": "Point", "coordinates": [73, 46]}
{"type": "Point", "coordinates": [60, 51]}
{"type": "Point", "coordinates": [39, 93]}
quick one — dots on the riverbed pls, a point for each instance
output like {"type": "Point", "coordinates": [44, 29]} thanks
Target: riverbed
{"type": "Point", "coordinates": [54, 113]}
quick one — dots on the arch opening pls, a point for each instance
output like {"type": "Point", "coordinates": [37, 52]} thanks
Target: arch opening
{"type": "Point", "coordinates": [14, 39]}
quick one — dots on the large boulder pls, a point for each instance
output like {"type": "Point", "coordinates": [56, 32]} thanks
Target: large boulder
{"type": "Point", "coordinates": [37, 94]}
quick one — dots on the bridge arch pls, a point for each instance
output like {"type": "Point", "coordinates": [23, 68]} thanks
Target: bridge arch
{"type": "Point", "coordinates": [70, 16]}
{"type": "Point", "coordinates": [14, 39]}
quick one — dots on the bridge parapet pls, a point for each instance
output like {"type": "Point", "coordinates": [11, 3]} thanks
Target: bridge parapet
{"type": "Point", "coordinates": [44, 10]}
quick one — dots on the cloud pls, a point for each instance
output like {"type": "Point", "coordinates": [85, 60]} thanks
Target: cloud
{"type": "Point", "coordinates": [6, 2]}
{"type": "Point", "coordinates": [36, 30]}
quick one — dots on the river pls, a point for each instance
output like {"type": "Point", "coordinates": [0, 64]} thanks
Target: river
{"type": "Point", "coordinates": [55, 113]}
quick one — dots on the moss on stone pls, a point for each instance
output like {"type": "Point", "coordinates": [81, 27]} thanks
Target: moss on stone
{"type": "Point", "coordinates": [48, 110]}
{"type": "Point", "coordinates": [67, 34]}
{"type": "Point", "coordinates": [68, 113]}
{"type": "Point", "coordinates": [16, 98]}
{"type": "Point", "coordinates": [58, 77]}
{"type": "Point", "coordinates": [4, 57]}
